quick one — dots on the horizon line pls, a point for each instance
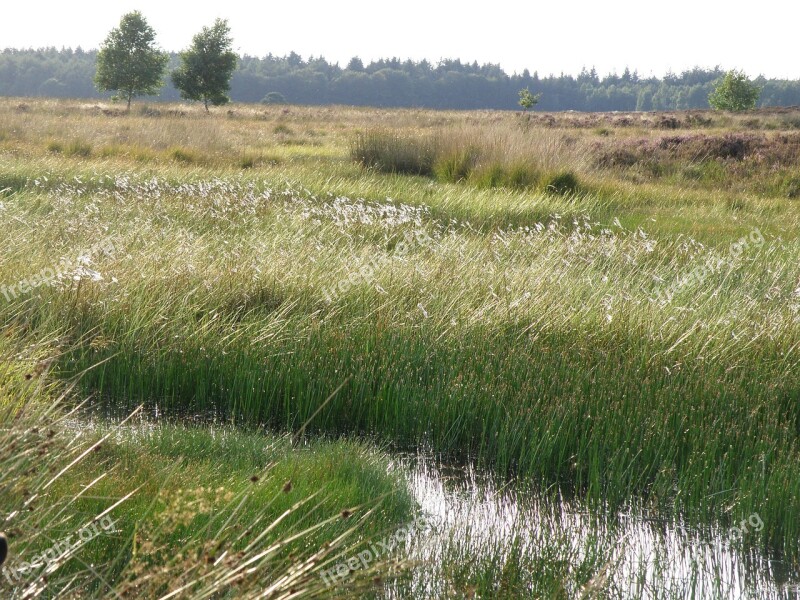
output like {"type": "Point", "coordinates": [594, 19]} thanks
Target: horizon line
{"type": "Point", "coordinates": [435, 63]}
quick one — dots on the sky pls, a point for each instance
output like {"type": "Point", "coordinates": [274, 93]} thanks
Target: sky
{"type": "Point", "coordinates": [552, 37]}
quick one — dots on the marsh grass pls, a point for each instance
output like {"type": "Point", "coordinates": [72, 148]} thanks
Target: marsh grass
{"type": "Point", "coordinates": [526, 336]}
{"type": "Point", "coordinates": [587, 364]}
{"type": "Point", "coordinates": [182, 155]}
{"type": "Point", "coordinates": [78, 149]}
{"type": "Point", "coordinates": [254, 161]}
{"type": "Point", "coordinates": [562, 183]}
{"type": "Point", "coordinates": [480, 158]}
{"type": "Point", "coordinates": [235, 513]}
{"type": "Point", "coordinates": [520, 176]}
{"type": "Point", "coordinates": [55, 147]}
{"type": "Point", "coordinates": [456, 165]}
{"type": "Point", "coordinates": [393, 153]}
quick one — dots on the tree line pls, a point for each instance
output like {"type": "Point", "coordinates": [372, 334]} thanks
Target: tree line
{"type": "Point", "coordinates": [391, 82]}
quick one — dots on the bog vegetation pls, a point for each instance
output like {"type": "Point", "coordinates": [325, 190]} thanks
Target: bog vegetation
{"type": "Point", "coordinates": [546, 329]}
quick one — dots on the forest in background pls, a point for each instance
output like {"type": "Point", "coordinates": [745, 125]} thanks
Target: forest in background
{"type": "Point", "coordinates": [450, 84]}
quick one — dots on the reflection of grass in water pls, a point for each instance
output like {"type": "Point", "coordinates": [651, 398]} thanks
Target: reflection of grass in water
{"type": "Point", "coordinates": [488, 542]}
{"type": "Point", "coordinates": [511, 543]}
{"type": "Point", "coordinates": [546, 564]}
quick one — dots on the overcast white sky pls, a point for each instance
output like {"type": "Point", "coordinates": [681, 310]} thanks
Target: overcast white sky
{"type": "Point", "coordinates": [550, 37]}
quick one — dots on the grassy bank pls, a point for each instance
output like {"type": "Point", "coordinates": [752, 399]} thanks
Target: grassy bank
{"type": "Point", "coordinates": [97, 509]}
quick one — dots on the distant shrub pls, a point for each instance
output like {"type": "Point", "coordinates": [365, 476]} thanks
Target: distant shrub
{"type": "Point", "coordinates": [736, 146]}
{"type": "Point", "coordinates": [668, 122]}
{"type": "Point", "coordinates": [729, 146]}
{"type": "Point", "coordinates": [78, 148]}
{"type": "Point", "coordinates": [148, 111]}
{"type": "Point", "coordinates": [699, 148]}
{"type": "Point", "coordinates": [617, 155]}
{"type": "Point", "coordinates": [389, 152]}
{"type": "Point", "coordinates": [273, 98]}
{"type": "Point", "coordinates": [734, 92]}
{"type": "Point", "coordinates": [562, 183]}
{"type": "Point", "coordinates": [55, 147]}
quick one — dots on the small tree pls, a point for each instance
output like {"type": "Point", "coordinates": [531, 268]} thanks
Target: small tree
{"type": "Point", "coordinates": [734, 92]}
{"type": "Point", "coordinates": [527, 99]}
{"type": "Point", "coordinates": [129, 62]}
{"type": "Point", "coordinates": [207, 67]}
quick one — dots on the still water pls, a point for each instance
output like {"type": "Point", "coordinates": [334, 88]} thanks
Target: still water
{"type": "Point", "coordinates": [476, 521]}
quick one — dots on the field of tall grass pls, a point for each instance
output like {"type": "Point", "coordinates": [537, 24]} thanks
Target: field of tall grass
{"type": "Point", "coordinates": [606, 312]}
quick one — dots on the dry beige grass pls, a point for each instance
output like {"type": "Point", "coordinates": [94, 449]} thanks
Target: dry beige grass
{"type": "Point", "coordinates": [232, 135]}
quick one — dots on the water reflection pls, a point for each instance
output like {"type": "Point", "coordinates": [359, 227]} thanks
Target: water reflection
{"type": "Point", "coordinates": [551, 545]}
{"type": "Point", "coordinates": [491, 539]}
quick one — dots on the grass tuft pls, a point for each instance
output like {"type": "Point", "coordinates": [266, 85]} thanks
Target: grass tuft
{"type": "Point", "coordinates": [563, 183]}
{"type": "Point", "coordinates": [184, 155]}
{"type": "Point", "coordinates": [78, 148]}
{"type": "Point", "coordinates": [391, 153]}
